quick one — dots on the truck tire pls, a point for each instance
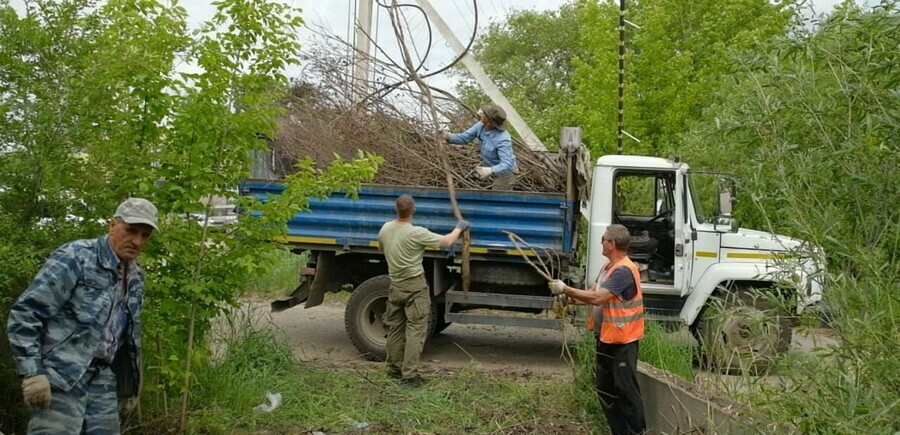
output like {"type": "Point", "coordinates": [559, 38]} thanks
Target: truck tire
{"type": "Point", "coordinates": [742, 332]}
{"type": "Point", "coordinates": [363, 318]}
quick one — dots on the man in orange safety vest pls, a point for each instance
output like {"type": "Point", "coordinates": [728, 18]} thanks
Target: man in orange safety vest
{"type": "Point", "coordinates": [617, 319]}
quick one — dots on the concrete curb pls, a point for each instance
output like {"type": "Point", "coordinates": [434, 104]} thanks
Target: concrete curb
{"type": "Point", "coordinates": [675, 406]}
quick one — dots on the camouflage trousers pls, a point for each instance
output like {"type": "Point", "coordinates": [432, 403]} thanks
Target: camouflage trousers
{"type": "Point", "coordinates": [406, 317]}
{"type": "Point", "coordinates": [90, 407]}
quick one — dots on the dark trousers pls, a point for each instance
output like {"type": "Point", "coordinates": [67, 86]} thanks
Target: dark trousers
{"type": "Point", "coordinates": [617, 387]}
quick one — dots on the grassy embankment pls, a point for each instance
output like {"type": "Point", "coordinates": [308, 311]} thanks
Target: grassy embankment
{"type": "Point", "coordinates": [339, 401]}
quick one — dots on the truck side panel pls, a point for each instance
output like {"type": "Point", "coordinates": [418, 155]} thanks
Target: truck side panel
{"type": "Point", "coordinates": [541, 219]}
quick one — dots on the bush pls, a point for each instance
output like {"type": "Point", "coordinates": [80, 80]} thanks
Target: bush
{"type": "Point", "coordinates": [811, 127]}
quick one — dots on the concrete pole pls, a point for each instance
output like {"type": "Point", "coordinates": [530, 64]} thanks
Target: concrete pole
{"type": "Point", "coordinates": [491, 89]}
{"type": "Point", "coordinates": [363, 46]}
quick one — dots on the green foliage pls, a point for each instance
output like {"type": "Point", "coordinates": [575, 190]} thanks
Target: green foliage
{"type": "Point", "coordinates": [96, 107]}
{"type": "Point", "coordinates": [282, 279]}
{"type": "Point", "coordinates": [595, 77]}
{"type": "Point", "coordinates": [811, 128]}
{"type": "Point", "coordinates": [674, 64]}
{"type": "Point", "coordinates": [337, 401]}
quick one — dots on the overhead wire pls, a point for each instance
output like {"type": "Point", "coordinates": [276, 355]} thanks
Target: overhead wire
{"type": "Point", "coordinates": [387, 88]}
{"type": "Point", "coordinates": [410, 31]}
{"type": "Point", "coordinates": [406, 5]}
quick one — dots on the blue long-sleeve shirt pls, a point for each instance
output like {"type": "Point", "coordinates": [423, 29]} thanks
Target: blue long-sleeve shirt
{"type": "Point", "coordinates": [496, 147]}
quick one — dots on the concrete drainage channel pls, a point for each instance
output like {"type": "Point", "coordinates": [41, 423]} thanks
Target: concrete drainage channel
{"type": "Point", "coordinates": [675, 406]}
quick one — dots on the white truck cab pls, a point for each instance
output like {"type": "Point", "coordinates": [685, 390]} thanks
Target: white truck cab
{"type": "Point", "coordinates": [737, 288]}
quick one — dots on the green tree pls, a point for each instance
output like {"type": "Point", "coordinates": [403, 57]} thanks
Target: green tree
{"type": "Point", "coordinates": [560, 67]}
{"type": "Point", "coordinates": [94, 108]}
{"type": "Point", "coordinates": [811, 129]}
{"type": "Point", "coordinates": [675, 62]}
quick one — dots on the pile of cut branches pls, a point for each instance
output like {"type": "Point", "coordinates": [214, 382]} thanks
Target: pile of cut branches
{"type": "Point", "coordinates": [320, 122]}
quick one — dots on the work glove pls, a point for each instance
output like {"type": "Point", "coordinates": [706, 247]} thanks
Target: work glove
{"type": "Point", "coordinates": [556, 286]}
{"type": "Point", "coordinates": [484, 171]}
{"type": "Point", "coordinates": [36, 391]}
{"type": "Point", "coordinates": [462, 225]}
{"type": "Point", "coordinates": [444, 135]}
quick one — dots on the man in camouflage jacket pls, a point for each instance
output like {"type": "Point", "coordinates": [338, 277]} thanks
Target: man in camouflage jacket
{"type": "Point", "coordinates": [75, 333]}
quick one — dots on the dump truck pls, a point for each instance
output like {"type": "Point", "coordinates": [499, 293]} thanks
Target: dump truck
{"type": "Point", "coordinates": [737, 289]}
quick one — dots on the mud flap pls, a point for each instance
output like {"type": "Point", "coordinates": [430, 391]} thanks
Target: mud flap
{"type": "Point", "coordinates": [328, 279]}
{"type": "Point", "coordinates": [299, 296]}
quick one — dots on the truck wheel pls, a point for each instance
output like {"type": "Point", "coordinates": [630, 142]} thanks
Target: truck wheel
{"type": "Point", "coordinates": [363, 318]}
{"type": "Point", "coordinates": [742, 332]}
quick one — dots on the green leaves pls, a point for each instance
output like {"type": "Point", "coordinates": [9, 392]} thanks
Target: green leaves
{"type": "Point", "coordinates": [675, 62]}
{"type": "Point", "coordinates": [103, 101]}
{"type": "Point", "coordinates": [810, 126]}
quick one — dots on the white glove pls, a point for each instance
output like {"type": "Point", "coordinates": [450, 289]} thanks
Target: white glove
{"type": "Point", "coordinates": [556, 286]}
{"type": "Point", "coordinates": [484, 171]}
{"type": "Point", "coordinates": [444, 135]}
{"type": "Point", "coordinates": [36, 391]}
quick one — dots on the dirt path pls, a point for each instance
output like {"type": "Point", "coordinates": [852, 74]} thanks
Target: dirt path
{"type": "Point", "coordinates": [317, 335]}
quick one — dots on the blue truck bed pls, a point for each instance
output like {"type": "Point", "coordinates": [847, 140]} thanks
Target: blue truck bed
{"type": "Point", "coordinates": [544, 220]}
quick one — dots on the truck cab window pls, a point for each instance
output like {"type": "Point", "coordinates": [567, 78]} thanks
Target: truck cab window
{"type": "Point", "coordinates": [645, 203]}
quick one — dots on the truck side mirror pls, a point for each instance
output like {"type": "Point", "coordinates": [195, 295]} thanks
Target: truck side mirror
{"type": "Point", "coordinates": [726, 204]}
{"type": "Point", "coordinates": [726, 196]}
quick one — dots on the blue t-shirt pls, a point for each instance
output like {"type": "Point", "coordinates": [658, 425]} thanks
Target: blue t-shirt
{"type": "Point", "coordinates": [621, 283]}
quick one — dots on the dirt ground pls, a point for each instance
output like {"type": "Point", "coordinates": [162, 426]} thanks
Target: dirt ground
{"type": "Point", "coordinates": [317, 336]}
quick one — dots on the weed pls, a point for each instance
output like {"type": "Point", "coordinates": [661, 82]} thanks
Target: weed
{"type": "Point", "coordinates": [257, 360]}
{"type": "Point", "coordinates": [282, 279]}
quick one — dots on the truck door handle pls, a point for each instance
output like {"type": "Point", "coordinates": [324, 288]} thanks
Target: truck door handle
{"type": "Point", "coordinates": [679, 249]}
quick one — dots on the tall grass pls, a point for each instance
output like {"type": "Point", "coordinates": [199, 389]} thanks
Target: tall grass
{"type": "Point", "coordinates": [666, 350]}
{"type": "Point", "coordinates": [256, 359]}
{"type": "Point", "coordinates": [281, 279]}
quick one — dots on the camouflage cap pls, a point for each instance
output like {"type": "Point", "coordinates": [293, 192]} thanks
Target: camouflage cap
{"type": "Point", "coordinates": [495, 113]}
{"type": "Point", "coordinates": [137, 211]}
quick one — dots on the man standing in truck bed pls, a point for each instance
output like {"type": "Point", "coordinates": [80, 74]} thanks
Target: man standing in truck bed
{"type": "Point", "coordinates": [495, 145]}
{"type": "Point", "coordinates": [409, 300]}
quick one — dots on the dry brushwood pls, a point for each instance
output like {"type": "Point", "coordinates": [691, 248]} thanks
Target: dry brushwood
{"type": "Point", "coordinates": [320, 121]}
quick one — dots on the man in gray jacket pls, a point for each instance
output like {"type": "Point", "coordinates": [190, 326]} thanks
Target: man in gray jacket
{"type": "Point", "coordinates": [75, 333]}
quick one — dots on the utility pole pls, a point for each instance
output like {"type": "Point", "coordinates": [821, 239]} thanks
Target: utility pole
{"type": "Point", "coordinates": [491, 89]}
{"type": "Point", "coordinates": [621, 113]}
{"type": "Point", "coordinates": [363, 46]}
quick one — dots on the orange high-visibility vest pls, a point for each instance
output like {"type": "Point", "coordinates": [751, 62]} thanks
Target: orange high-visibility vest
{"type": "Point", "coordinates": [623, 321]}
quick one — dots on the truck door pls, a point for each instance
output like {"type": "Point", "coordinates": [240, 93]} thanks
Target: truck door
{"type": "Point", "coordinates": [684, 243]}
{"type": "Point", "coordinates": [645, 202]}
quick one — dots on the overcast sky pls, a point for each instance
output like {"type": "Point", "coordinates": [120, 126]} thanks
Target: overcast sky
{"type": "Point", "coordinates": [338, 17]}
